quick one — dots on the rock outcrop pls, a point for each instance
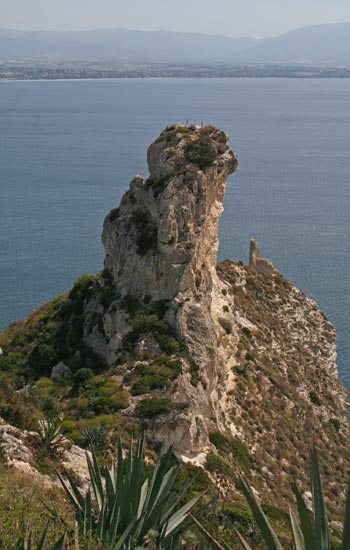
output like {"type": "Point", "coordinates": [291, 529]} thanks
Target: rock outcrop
{"type": "Point", "coordinates": [19, 448]}
{"type": "Point", "coordinates": [231, 364]}
{"type": "Point", "coordinates": [161, 245]}
{"type": "Point", "coordinates": [261, 265]}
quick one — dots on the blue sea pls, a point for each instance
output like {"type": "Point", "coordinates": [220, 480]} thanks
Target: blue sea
{"type": "Point", "coordinates": [68, 150]}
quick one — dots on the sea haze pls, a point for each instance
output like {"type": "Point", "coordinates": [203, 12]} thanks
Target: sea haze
{"type": "Point", "coordinates": [69, 149]}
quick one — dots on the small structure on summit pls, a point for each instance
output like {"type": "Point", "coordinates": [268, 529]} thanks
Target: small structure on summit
{"type": "Point", "coordinates": [261, 265]}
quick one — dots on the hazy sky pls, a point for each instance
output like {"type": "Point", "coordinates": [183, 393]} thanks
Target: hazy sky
{"type": "Point", "coordinates": [230, 17]}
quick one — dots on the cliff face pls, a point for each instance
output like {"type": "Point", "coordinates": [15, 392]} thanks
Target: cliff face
{"type": "Point", "coordinates": [161, 245]}
{"type": "Point", "coordinates": [253, 340]}
{"type": "Point", "coordinates": [231, 364]}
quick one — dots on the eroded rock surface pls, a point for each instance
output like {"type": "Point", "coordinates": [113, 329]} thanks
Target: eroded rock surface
{"type": "Point", "coordinates": [231, 364]}
{"type": "Point", "coordinates": [161, 245]}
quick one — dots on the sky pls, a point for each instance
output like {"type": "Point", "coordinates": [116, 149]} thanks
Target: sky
{"type": "Point", "coordinates": [258, 18]}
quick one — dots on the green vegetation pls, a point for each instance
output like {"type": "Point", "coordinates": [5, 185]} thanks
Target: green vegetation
{"type": "Point", "coordinates": [131, 511]}
{"type": "Point", "coordinates": [81, 377]}
{"type": "Point", "coordinates": [25, 542]}
{"type": "Point", "coordinates": [94, 437]}
{"type": "Point", "coordinates": [24, 514]}
{"type": "Point", "coordinates": [309, 532]}
{"type": "Point", "coordinates": [200, 152]}
{"type": "Point", "coordinates": [232, 446]}
{"type": "Point", "coordinates": [218, 465]}
{"type": "Point", "coordinates": [51, 436]}
{"type": "Point", "coordinates": [150, 408]}
{"type": "Point", "coordinates": [33, 346]}
{"type": "Point", "coordinates": [149, 320]}
{"type": "Point", "coordinates": [156, 373]}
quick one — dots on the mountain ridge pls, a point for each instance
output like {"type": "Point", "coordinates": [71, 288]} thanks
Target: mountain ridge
{"type": "Point", "coordinates": [326, 44]}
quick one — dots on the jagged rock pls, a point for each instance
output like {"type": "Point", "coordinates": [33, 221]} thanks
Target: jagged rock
{"type": "Point", "coordinates": [262, 265]}
{"type": "Point", "coordinates": [255, 358]}
{"type": "Point", "coordinates": [161, 244]}
{"type": "Point", "coordinates": [17, 450]}
{"type": "Point", "coordinates": [60, 370]}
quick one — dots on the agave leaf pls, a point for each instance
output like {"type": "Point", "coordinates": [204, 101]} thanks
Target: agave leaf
{"type": "Point", "coordinates": [43, 539]}
{"type": "Point", "coordinates": [319, 510]}
{"type": "Point", "coordinates": [260, 518]}
{"type": "Point", "coordinates": [297, 532]}
{"type": "Point", "coordinates": [124, 538]}
{"type": "Point", "coordinates": [241, 539]}
{"type": "Point", "coordinates": [136, 480]}
{"type": "Point", "coordinates": [87, 514]}
{"type": "Point", "coordinates": [153, 514]}
{"type": "Point", "coordinates": [164, 488]}
{"type": "Point", "coordinates": [157, 478]}
{"type": "Point", "coordinates": [172, 505]}
{"type": "Point", "coordinates": [120, 466]}
{"type": "Point", "coordinates": [110, 483]}
{"type": "Point", "coordinates": [209, 538]}
{"type": "Point", "coordinates": [304, 516]}
{"type": "Point", "coordinates": [59, 544]}
{"type": "Point", "coordinates": [177, 519]}
{"type": "Point", "coordinates": [346, 526]}
{"type": "Point", "coordinates": [95, 477]}
{"type": "Point", "coordinates": [128, 464]}
{"type": "Point", "coordinates": [113, 523]}
{"type": "Point", "coordinates": [74, 497]}
{"type": "Point", "coordinates": [143, 496]}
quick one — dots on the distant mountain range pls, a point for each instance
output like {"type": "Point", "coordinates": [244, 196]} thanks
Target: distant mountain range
{"type": "Point", "coordinates": [316, 45]}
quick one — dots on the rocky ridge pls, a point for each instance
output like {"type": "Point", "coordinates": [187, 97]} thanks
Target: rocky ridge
{"type": "Point", "coordinates": [231, 364]}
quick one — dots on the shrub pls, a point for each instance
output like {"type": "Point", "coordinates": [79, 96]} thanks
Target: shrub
{"type": "Point", "coordinates": [149, 383]}
{"type": "Point", "coordinates": [106, 396]}
{"type": "Point", "coordinates": [218, 465]}
{"type": "Point", "coordinates": [80, 291]}
{"type": "Point", "coordinates": [81, 377]}
{"type": "Point", "coordinates": [240, 514]}
{"type": "Point", "coordinates": [144, 321]}
{"type": "Point", "coordinates": [149, 408]}
{"type": "Point", "coordinates": [233, 446]}
{"type": "Point", "coordinates": [200, 152]}
{"type": "Point", "coordinates": [43, 358]}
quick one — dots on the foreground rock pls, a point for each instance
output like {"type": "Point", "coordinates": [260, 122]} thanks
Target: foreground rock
{"type": "Point", "coordinates": [20, 449]}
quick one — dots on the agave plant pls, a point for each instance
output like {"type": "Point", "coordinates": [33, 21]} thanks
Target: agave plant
{"type": "Point", "coordinates": [126, 511]}
{"type": "Point", "coordinates": [310, 531]}
{"type": "Point", "coordinates": [94, 437]}
{"type": "Point", "coordinates": [25, 542]}
{"type": "Point", "coordinates": [50, 433]}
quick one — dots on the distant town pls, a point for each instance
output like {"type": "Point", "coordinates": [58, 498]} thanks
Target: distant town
{"type": "Point", "coordinates": [33, 70]}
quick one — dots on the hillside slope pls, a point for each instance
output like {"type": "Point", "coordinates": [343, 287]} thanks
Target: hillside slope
{"type": "Point", "coordinates": [231, 364]}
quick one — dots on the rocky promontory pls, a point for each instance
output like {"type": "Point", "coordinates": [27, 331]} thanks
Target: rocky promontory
{"type": "Point", "coordinates": [231, 364]}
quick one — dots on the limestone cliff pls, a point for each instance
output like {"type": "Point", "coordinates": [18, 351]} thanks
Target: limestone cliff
{"type": "Point", "coordinates": [255, 343]}
{"type": "Point", "coordinates": [231, 364]}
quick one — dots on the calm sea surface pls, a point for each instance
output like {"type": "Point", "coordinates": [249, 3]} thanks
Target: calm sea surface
{"type": "Point", "coordinates": [69, 149]}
